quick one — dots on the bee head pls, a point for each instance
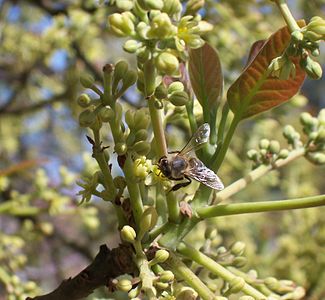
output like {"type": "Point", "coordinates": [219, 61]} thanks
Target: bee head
{"type": "Point", "coordinates": [164, 166]}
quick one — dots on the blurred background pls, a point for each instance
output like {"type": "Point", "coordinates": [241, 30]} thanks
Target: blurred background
{"type": "Point", "coordinates": [45, 235]}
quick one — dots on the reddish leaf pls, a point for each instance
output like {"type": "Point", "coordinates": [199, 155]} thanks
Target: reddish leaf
{"type": "Point", "coordinates": [255, 49]}
{"type": "Point", "coordinates": [206, 75]}
{"type": "Point", "coordinates": [253, 92]}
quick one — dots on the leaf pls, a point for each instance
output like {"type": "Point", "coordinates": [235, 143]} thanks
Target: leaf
{"type": "Point", "coordinates": [206, 75]}
{"type": "Point", "coordinates": [255, 92]}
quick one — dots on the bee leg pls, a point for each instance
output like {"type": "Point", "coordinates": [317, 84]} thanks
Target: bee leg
{"type": "Point", "coordinates": [181, 185]}
{"type": "Point", "coordinates": [172, 152]}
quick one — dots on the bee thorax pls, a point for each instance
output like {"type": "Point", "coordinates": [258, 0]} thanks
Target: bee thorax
{"type": "Point", "coordinates": [178, 166]}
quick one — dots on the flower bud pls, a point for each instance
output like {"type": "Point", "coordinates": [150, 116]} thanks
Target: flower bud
{"type": "Point", "coordinates": [166, 276]}
{"type": "Point", "coordinates": [272, 283]}
{"type": "Point", "coordinates": [148, 219]}
{"type": "Point", "coordinates": [167, 63]}
{"type": "Point", "coordinates": [238, 248]}
{"type": "Point", "coordinates": [161, 285]}
{"type": "Point", "coordinates": [143, 54]}
{"type": "Point", "coordinates": [129, 79]}
{"type": "Point", "coordinates": [87, 80]}
{"type": "Point", "coordinates": [172, 7]}
{"type": "Point", "coordinates": [297, 35]}
{"type": "Point", "coordinates": [119, 182]}
{"type": "Point", "coordinates": [141, 135]}
{"type": "Point", "coordinates": [142, 147]}
{"type": "Point", "coordinates": [317, 158]}
{"type": "Point", "coordinates": [312, 135]}
{"type": "Point", "coordinates": [128, 234]}
{"type": "Point", "coordinates": [252, 154]}
{"type": "Point", "coordinates": [246, 298]}
{"type": "Point", "coordinates": [186, 293]}
{"type": "Point", "coordinates": [284, 153]}
{"type": "Point", "coordinates": [305, 118]}
{"type": "Point", "coordinates": [141, 119]}
{"type": "Point", "coordinates": [161, 255]}
{"type": "Point", "coordinates": [312, 68]}
{"type": "Point", "coordinates": [289, 133]}
{"type": "Point", "coordinates": [120, 148]}
{"type": "Point", "coordinates": [124, 4]}
{"type": "Point", "coordinates": [124, 285]}
{"type": "Point", "coordinates": [178, 98]}
{"type": "Point", "coordinates": [315, 30]}
{"type": "Point", "coordinates": [84, 100]}
{"type": "Point", "coordinates": [161, 92]}
{"type": "Point", "coordinates": [87, 118]}
{"type": "Point", "coordinates": [176, 86]}
{"type": "Point", "coordinates": [151, 4]}
{"type": "Point", "coordinates": [320, 136]}
{"type": "Point", "coordinates": [122, 24]}
{"type": "Point", "coordinates": [193, 6]}
{"type": "Point", "coordinates": [236, 285]}
{"type": "Point", "coordinates": [264, 144]}
{"type": "Point", "coordinates": [142, 30]}
{"type": "Point", "coordinates": [161, 27]}
{"type": "Point", "coordinates": [131, 46]}
{"type": "Point", "coordinates": [106, 114]}
{"type": "Point", "coordinates": [274, 147]}
{"type": "Point", "coordinates": [211, 233]}
{"type": "Point", "coordinates": [120, 69]}
{"type": "Point", "coordinates": [239, 261]}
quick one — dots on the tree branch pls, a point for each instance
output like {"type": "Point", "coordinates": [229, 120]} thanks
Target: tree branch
{"type": "Point", "coordinates": [107, 265]}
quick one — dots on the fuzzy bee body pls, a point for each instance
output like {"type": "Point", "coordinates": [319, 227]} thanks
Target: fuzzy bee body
{"type": "Point", "coordinates": [180, 166]}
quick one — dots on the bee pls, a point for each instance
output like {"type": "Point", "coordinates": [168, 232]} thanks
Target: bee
{"type": "Point", "coordinates": [180, 165]}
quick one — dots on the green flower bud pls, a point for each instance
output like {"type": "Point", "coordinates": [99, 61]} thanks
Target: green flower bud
{"type": "Point", "coordinates": [176, 86]}
{"type": "Point", "coordinates": [141, 119]}
{"type": "Point", "coordinates": [129, 118]}
{"type": "Point", "coordinates": [172, 7]}
{"type": "Point", "coordinates": [246, 298]}
{"type": "Point", "coordinates": [152, 4]}
{"type": "Point", "coordinates": [305, 118]}
{"type": "Point", "coordinates": [167, 63]}
{"type": "Point", "coordinates": [317, 158]}
{"type": "Point", "coordinates": [315, 52]}
{"type": "Point", "coordinates": [239, 261]}
{"type": "Point", "coordinates": [236, 285]}
{"type": "Point", "coordinates": [84, 100]}
{"type": "Point", "coordinates": [161, 27]}
{"type": "Point", "coordinates": [141, 135]}
{"type": "Point", "coordinates": [252, 154]}
{"type": "Point", "coordinates": [312, 68]}
{"type": "Point", "coordinates": [272, 283]}
{"type": "Point", "coordinates": [161, 92]}
{"type": "Point", "coordinates": [124, 4]}
{"type": "Point", "coordinates": [120, 148]}
{"type": "Point", "coordinates": [142, 30]}
{"type": "Point", "coordinates": [263, 152]}
{"type": "Point", "coordinates": [131, 46]}
{"type": "Point", "coordinates": [274, 147]}
{"type": "Point", "coordinates": [134, 292]}
{"type": "Point", "coordinates": [128, 234]}
{"type": "Point", "coordinates": [120, 69]}
{"type": "Point", "coordinates": [166, 276]}
{"type": "Point", "coordinates": [320, 137]}
{"type": "Point", "coordinates": [297, 35]}
{"type": "Point", "coordinates": [178, 98]}
{"type": "Point", "coordinates": [288, 132]}
{"type": "Point", "coordinates": [122, 24]}
{"type": "Point", "coordinates": [312, 135]}
{"type": "Point", "coordinates": [142, 147]}
{"type": "Point", "coordinates": [315, 29]}
{"type": "Point", "coordinates": [129, 79]}
{"type": "Point", "coordinates": [264, 144]}
{"type": "Point", "coordinates": [148, 219]}
{"type": "Point", "coordinates": [124, 285]}
{"type": "Point", "coordinates": [210, 233]}
{"type": "Point", "coordinates": [186, 294]}
{"type": "Point", "coordinates": [149, 71]}
{"type": "Point", "coordinates": [106, 114]}
{"type": "Point", "coordinates": [161, 285]}
{"type": "Point", "coordinates": [193, 6]}
{"type": "Point", "coordinates": [87, 80]}
{"type": "Point", "coordinates": [284, 153]}
{"type": "Point", "coordinates": [238, 248]}
{"type": "Point", "coordinates": [87, 118]}
{"type": "Point", "coordinates": [161, 255]}
{"type": "Point", "coordinates": [130, 140]}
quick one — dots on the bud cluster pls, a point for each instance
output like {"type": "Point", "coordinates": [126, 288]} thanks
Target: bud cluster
{"type": "Point", "coordinates": [268, 153]}
{"type": "Point", "coordinates": [304, 44]}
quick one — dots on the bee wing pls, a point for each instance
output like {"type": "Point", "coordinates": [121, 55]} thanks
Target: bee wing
{"type": "Point", "coordinates": [200, 137]}
{"type": "Point", "coordinates": [198, 171]}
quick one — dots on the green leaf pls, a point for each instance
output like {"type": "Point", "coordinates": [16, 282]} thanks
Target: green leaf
{"type": "Point", "coordinates": [255, 91]}
{"type": "Point", "coordinates": [206, 76]}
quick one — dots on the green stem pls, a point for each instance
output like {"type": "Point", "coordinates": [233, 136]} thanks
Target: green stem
{"type": "Point", "coordinates": [216, 269]}
{"type": "Point", "coordinates": [133, 188]}
{"type": "Point", "coordinates": [161, 150]}
{"type": "Point", "coordinates": [254, 207]}
{"type": "Point", "coordinates": [161, 204]}
{"type": "Point", "coordinates": [224, 147]}
{"type": "Point", "coordinates": [190, 115]}
{"type": "Point", "coordinates": [157, 231]}
{"type": "Point", "coordinates": [256, 174]}
{"type": "Point", "coordinates": [286, 13]}
{"type": "Point", "coordinates": [182, 272]}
